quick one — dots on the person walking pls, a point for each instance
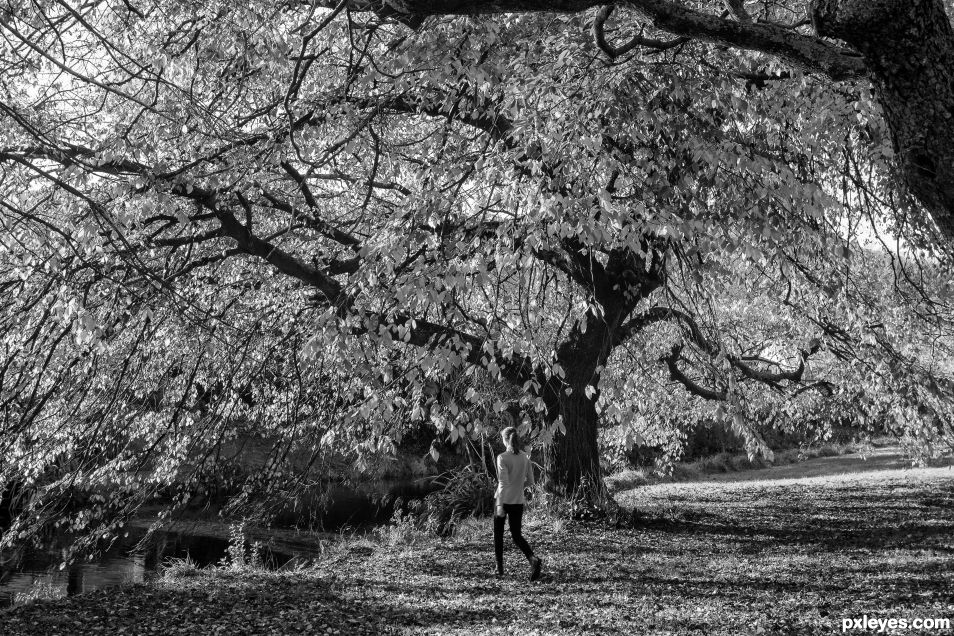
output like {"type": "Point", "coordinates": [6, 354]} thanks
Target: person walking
{"type": "Point", "coordinates": [514, 474]}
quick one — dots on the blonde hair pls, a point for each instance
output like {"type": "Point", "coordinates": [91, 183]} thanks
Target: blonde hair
{"type": "Point", "coordinates": [512, 439]}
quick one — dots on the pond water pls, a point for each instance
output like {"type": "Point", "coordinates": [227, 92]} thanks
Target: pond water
{"type": "Point", "coordinates": [35, 573]}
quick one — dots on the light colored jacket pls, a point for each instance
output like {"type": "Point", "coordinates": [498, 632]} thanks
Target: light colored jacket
{"type": "Point", "coordinates": [514, 473]}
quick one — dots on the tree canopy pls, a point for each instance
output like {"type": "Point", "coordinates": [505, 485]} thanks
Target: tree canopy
{"type": "Point", "coordinates": [304, 221]}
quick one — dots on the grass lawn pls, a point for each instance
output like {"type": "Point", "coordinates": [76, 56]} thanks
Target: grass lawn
{"type": "Point", "coordinates": [793, 556]}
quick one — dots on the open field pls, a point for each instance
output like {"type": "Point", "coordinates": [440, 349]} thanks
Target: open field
{"type": "Point", "coordinates": [765, 556]}
{"type": "Point", "coordinates": [878, 459]}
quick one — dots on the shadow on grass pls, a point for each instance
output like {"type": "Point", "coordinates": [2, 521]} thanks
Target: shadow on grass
{"type": "Point", "coordinates": [876, 518]}
{"type": "Point", "coordinates": [783, 560]}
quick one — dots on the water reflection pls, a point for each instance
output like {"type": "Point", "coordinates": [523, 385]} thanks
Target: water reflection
{"type": "Point", "coordinates": [35, 574]}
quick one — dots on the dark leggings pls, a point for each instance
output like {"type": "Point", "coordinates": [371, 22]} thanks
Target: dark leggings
{"type": "Point", "coordinates": [514, 512]}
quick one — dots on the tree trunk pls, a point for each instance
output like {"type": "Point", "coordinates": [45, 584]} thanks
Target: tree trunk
{"type": "Point", "coordinates": [908, 46]}
{"type": "Point", "coordinates": [572, 461]}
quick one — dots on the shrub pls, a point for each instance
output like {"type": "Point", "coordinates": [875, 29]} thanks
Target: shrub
{"type": "Point", "coordinates": [626, 480]}
{"type": "Point", "coordinates": [401, 531]}
{"type": "Point", "coordinates": [472, 529]}
{"type": "Point", "coordinates": [39, 591]}
{"type": "Point", "coordinates": [684, 472]}
{"type": "Point", "coordinates": [461, 493]}
{"type": "Point", "coordinates": [829, 450]}
{"type": "Point", "coordinates": [742, 462]}
{"type": "Point", "coordinates": [240, 553]}
{"type": "Point", "coordinates": [174, 568]}
{"type": "Point", "coordinates": [718, 463]}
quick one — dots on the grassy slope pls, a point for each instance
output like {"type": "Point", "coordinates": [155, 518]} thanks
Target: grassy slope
{"type": "Point", "coordinates": [772, 557]}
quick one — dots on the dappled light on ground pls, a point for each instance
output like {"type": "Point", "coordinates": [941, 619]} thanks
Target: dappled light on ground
{"type": "Point", "coordinates": [758, 557]}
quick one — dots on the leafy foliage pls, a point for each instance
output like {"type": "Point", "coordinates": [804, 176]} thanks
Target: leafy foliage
{"type": "Point", "coordinates": [300, 225]}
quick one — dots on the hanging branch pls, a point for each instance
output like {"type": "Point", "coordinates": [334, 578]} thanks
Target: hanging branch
{"type": "Point", "coordinates": [691, 385]}
{"type": "Point", "coordinates": [599, 37]}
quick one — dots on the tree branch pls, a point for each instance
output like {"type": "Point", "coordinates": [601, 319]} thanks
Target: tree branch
{"type": "Point", "coordinates": [642, 320]}
{"type": "Point", "coordinates": [737, 8]}
{"type": "Point", "coordinates": [599, 37]}
{"type": "Point", "coordinates": [691, 385]}
{"type": "Point", "coordinates": [327, 230]}
{"type": "Point", "coordinates": [810, 53]}
{"type": "Point", "coordinates": [284, 262]}
{"type": "Point", "coordinates": [417, 332]}
{"type": "Point", "coordinates": [695, 335]}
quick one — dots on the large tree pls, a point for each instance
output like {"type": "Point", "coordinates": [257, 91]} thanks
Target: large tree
{"type": "Point", "coordinates": [904, 48]}
{"type": "Point", "coordinates": [200, 202]}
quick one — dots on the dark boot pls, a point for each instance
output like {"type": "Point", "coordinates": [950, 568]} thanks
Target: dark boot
{"type": "Point", "coordinates": [536, 564]}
